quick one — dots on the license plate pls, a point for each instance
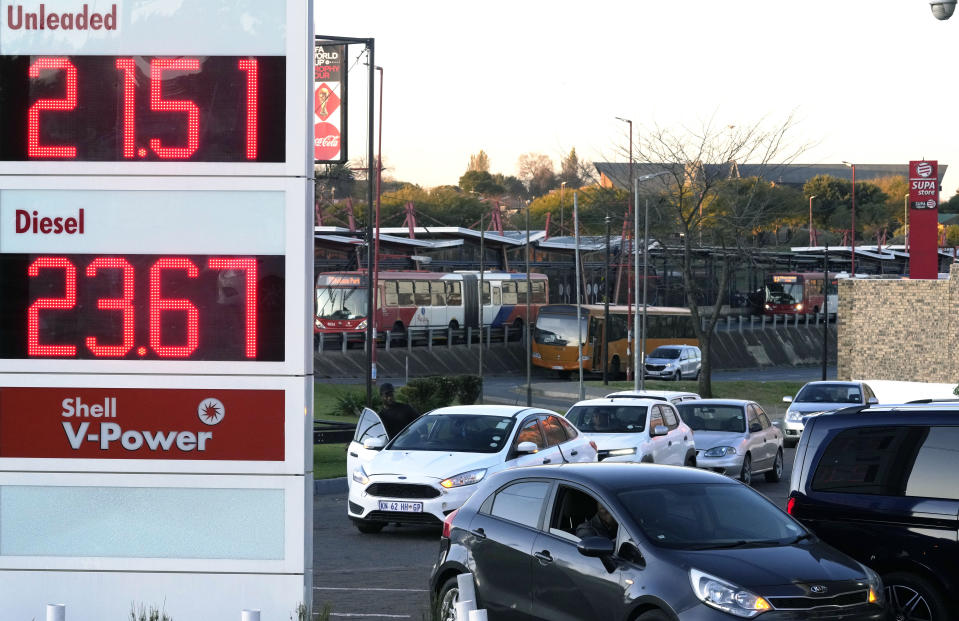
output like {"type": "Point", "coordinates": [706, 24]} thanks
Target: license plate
{"type": "Point", "coordinates": [403, 507]}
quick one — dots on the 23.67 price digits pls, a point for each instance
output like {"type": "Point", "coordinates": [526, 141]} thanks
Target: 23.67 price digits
{"type": "Point", "coordinates": [182, 308]}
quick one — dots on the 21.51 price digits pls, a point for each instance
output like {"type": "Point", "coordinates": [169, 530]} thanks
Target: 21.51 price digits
{"type": "Point", "coordinates": [181, 308]}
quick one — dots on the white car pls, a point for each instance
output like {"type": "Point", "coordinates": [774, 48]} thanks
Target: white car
{"type": "Point", "coordinates": [430, 468]}
{"type": "Point", "coordinates": [673, 396]}
{"type": "Point", "coordinates": [635, 430]}
{"type": "Point", "coordinates": [736, 438]}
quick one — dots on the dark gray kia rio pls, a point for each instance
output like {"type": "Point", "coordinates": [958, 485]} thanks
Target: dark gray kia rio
{"type": "Point", "coordinates": [639, 542]}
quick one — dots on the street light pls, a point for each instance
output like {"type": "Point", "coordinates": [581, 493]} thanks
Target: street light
{"type": "Point", "coordinates": [629, 212]}
{"type": "Point", "coordinates": [529, 344]}
{"type": "Point", "coordinates": [639, 377]}
{"type": "Point", "coordinates": [852, 268]}
{"type": "Point", "coordinates": [810, 219]}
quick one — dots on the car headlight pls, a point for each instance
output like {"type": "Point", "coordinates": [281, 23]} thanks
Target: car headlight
{"type": "Point", "coordinates": [793, 416]}
{"type": "Point", "coordinates": [465, 478]}
{"type": "Point", "coordinates": [622, 451]}
{"type": "Point", "coordinates": [719, 451]}
{"type": "Point", "coordinates": [360, 476]}
{"type": "Point", "coordinates": [319, 324]}
{"type": "Point", "coordinates": [799, 307]}
{"type": "Point", "coordinates": [767, 307]}
{"type": "Point", "coordinates": [726, 596]}
{"type": "Point", "coordinates": [361, 325]}
{"type": "Point", "coordinates": [875, 586]}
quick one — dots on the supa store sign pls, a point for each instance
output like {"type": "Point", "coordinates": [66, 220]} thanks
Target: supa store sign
{"type": "Point", "coordinates": [142, 423]}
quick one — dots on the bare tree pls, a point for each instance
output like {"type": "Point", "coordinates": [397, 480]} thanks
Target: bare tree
{"type": "Point", "coordinates": [716, 195]}
{"type": "Point", "coordinates": [536, 171]}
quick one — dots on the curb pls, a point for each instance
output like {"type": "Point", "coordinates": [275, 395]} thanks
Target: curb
{"type": "Point", "coordinates": [330, 486]}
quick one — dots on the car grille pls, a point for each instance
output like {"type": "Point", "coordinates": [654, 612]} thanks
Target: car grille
{"type": "Point", "coordinates": [401, 516]}
{"type": "Point", "coordinates": [402, 490]}
{"type": "Point", "coordinates": [655, 367]}
{"type": "Point", "coordinates": [843, 600]}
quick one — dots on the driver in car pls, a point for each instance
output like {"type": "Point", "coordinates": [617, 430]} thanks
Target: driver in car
{"type": "Point", "coordinates": [602, 524]}
{"type": "Point", "coordinates": [603, 422]}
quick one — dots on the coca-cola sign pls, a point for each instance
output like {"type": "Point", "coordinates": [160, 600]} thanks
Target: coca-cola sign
{"type": "Point", "coordinates": [326, 141]}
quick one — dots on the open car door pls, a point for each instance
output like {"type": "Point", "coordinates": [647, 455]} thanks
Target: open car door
{"type": "Point", "coordinates": [368, 427]}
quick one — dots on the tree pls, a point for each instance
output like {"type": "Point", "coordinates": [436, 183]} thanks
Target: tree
{"type": "Point", "coordinates": [536, 171]}
{"type": "Point", "coordinates": [951, 205]}
{"type": "Point", "coordinates": [479, 162]}
{"type": "Point", "coordinates": [707, 204]}
{"type": "Point", "coordinates": [480, 182]}
{"type": "Point", "coordinates": [569, 170]}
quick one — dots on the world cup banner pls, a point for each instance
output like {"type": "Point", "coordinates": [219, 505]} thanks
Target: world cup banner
{"type": "Point", "coordinates": [329, 103]}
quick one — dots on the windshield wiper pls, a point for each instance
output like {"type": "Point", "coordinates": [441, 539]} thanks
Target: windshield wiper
{"type": "Point", "coordinates": [800, 538]}
{"type": "Point", "coordinates": [741, 543]}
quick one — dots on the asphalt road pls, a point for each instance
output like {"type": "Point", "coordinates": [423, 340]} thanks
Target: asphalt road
{"type": "Point", "coordinates": [385, 576]}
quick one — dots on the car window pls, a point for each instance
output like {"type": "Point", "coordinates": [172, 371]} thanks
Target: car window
{"type": "Point", "coordinates": [571, 432]}
{"type": "Point", "coordinates": [763, 418]}
{"type": "Point", "coordinates": [608, 418]}
{"type": "Point", "coordinates": [829, 393]}
{"type": "Point", "coordinates": [369, 426]}
{"type": "Point", "coordinates": [913, 461]}
{"type": "Point", "coordinates": [521, 502]}
{"type": "Point", "coordinates": [753, 420]}
{"type": "Point", "coordinates": [462, 433]}
{"type": "Point", "coordinates": [530, 432]}
{"type": "Point", "coordinates": [665, 352]}
{"type": "Point", "coordinates": [555, 433]}
{"type": "Point", "coordinates": [713, 417]}
{"type": "Point", "coordinates": [669, 416]}
{"type": "Point", "coordinates": [572, 509]}
{"type": "Point", "coordinates": [656, 418]}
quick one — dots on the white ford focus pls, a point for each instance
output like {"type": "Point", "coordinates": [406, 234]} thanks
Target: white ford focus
{"type": "Point", "coordinates": [430, 468]}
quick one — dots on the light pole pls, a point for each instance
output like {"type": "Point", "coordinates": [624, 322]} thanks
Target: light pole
{"type": "Point", "coordinates": [529, 344]}
{"type": "Point", "coordinates": [629, 290]}
{"type": "Point", "coordinates": [639, 377]}
{"type": "Point", "coordinates": [376, 247]}
{"type": "Point", "coordinates": [852, 268]}
{"type": "Point", "coordinates": [905, 222]}
{"type": "Point", "coordinates": [810, 219]}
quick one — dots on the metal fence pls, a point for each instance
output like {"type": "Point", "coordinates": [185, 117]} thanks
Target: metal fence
{"type": "Point", "coordinates": [422, 337]}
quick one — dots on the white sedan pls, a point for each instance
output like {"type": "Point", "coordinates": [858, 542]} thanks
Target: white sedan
{"type": "Point", "coordinates": [430, 468]}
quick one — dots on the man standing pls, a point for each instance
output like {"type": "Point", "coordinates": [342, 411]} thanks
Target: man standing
{"type": "Point", "coordinates": [395, 416]}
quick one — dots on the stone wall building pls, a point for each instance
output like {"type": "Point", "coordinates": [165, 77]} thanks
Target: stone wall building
{"type": "Point", "coordinates": [899, 329]}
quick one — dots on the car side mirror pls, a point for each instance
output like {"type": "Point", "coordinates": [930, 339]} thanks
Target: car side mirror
{"type": "Point", "coordinates": [787, 399]}
{"type": "Point", "coordinates": [659, 430]}
{"type": "Point", "coordinates": [596, 546]}
{"type": "Point", "coordinates": [526, 447]}
{"type": "Point", "coordinates": [374, 444]}
{"type": "Point", "coordinates": [630, 552]}
{"type": "Point", "coordinates": [873, 401]}
{"type": "Point", "coordinates": [755, 428]}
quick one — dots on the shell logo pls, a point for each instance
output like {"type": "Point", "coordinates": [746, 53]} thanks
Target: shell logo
{"type": "Point", "coordinates": [924, 169]}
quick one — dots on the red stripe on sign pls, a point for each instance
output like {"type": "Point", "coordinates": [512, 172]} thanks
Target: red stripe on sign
{"type": "Point", "coordinates": [142, 423]}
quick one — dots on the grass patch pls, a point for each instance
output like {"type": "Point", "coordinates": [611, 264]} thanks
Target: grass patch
{"type": "Point", "coordinates": [767, 394]}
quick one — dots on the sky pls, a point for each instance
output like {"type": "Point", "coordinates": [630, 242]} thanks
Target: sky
{"type": "Point", "coordinates": [867, 81]}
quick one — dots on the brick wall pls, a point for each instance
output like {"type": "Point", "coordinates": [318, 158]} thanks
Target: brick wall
{"type": "Point", "coordinates": [899, 329]}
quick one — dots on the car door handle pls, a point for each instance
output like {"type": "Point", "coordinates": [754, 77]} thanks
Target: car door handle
{"type": "Point", "coordinates": [574, 453]}
{"type": "Point", "coordinates": [547, 460]}
{"type": "Point", "coordinates": [544, 556]}
{"type": "Point", "coordinates": [479, 533]}
{"type": "Point", "coordinates": [670, 443]}
{"type": "Point", "coordinates": [352, 454]}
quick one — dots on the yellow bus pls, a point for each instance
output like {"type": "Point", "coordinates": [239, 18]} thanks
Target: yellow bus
{"type": "Point", "coordinates": [555, 335]}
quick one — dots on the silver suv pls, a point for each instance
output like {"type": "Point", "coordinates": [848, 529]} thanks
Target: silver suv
{"type": "Point", "coordinates": [674, 362]}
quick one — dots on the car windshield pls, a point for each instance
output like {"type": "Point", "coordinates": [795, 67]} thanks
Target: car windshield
{"type": "Point", "coordinates": [458, 433]}
{"type": "Point", "coordinates": [704, 516]}
{"type": "Point", "coordinates": [559, 330]}
{"type": "Point", "coordinates": [608, 418]}
{"type": "Point", "coordinates": [713, 417]}
{"type": "Point", "coordinates": [665, 352]}
{"type": "Point", "coordinates": [829, 393]}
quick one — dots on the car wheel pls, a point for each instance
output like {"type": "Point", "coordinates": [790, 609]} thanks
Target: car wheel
{"type": "Point", "coordinates": [912, 598]}
{"type": "Point", "coordinates": [696, 377]}
{"type": "Point", "coordinates": [690, 460]}
{"type": "Point", "coordinates": [653, 615]}
{"type": "Point", "coordinates": [678, 376]}
{"type": "Point", "coordinates": [776, 474]}
{"type": "Point", "coordinates": [367, 527]}
{"type": "Point", "coordinates": [746, 474]}
{"type": "Point", "coordinates": [446, 601]}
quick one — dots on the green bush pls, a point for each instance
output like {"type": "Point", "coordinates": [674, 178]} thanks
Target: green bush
{"type": "Point", "coordinates": [428, 393]}
{"type": "Point", "coordinates": [352, 403]}
{"type": "Point", "coordinates": [468, 388]}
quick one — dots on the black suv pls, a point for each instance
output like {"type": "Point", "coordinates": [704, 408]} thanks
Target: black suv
{"type": "Point", "coordinates": [881, 483]}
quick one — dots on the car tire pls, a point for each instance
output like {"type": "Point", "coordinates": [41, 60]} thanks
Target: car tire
{"type": "Point", "coordinates": [653, 615]}
{"type": "Point", "coordinates": [698, 372]}
{"type": "Point", "coordinates": [368, 527]}
{"type": "Point", "coordinates": [776, 474]}
{"type": "Point", "coordinates": [690, 460]}
{"type": "Point", "coordinates": [902, 587]}
{"type": "Point", "coordinates": [444, 608]}
{"type": "Point", "coordinates": [746, 474]}
{"type": "Point", "coordinates": [678, 376]}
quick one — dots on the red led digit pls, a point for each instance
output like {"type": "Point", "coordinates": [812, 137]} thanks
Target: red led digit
{"type": "Point", "coordinates": [248, 266]}
{"type": "Point", "coordinates": [69, 102]}
{"type": "Point", "coordinates": [129, 69]}
{"type": "Point", "coordinates": [68, 301]}
{"type": "Point", "coordinates": [158, 304]}
{"type": "Point", "coordinates": [124, 304]}
{"type": "Point", "coordinates": [158, 104]}
{"type": "Point", "coordinates": [250, 65]}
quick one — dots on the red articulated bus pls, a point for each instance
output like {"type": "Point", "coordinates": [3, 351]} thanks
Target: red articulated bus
{"type": "Point", "coordinates": [798, 293]}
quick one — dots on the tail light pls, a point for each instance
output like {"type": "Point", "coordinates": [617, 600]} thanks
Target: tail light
{"type": "Point", "coordinates": [448, 523]}
{"type": "Point", "coordinates": [789, 505]}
